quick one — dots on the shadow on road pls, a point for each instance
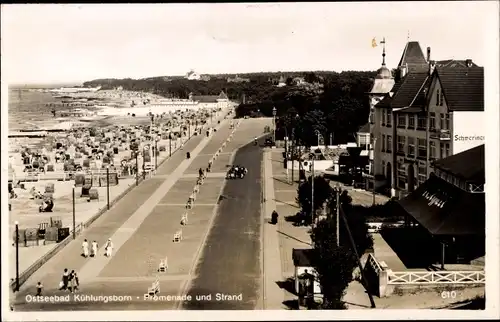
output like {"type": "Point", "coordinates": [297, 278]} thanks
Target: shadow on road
{"type": "Point", "coordinates": [292, 304]}
{"type": "Point", "coordinates": [288, 285]}
{"type": "Point", "coordinates": [282, 181]}
{"type": "Point", "coordinates": [358, 305]}
{"type": "Point", "coordinates": [294, 238]}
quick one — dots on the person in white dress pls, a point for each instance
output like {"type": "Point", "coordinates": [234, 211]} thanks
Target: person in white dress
{"type": "Point", "coordinates": [93, 251]}
{"type": "Point", "coordinates": [109, 248]}
{"type": "Point", "coordinates": [85, 248]}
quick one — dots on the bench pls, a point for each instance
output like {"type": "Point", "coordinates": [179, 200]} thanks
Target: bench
{"type": "Point", "coordinates": [162, 268]}
{"type": "Point", "coordinates": [184, 219]}
{"type": "Point", "coordinates": [178, 236]}
{"type": "Point", "coordinates": [154, 289]}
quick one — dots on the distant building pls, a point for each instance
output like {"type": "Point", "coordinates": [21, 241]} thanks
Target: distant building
{"type": "Point", "coordinates": [210, 101]}
{"type": "Point", "coordinates": [238, 79]}
{"type": "Point", "coordinates": [300, 81]}
{"type": "Point", "coordinates": [430, 110]}
{"type": "Point", "coordinates": [192, 75]}
{"type": "Point", "coordinates": [205, 78]}
{"type": "Point", "coordinates": [282, 81]}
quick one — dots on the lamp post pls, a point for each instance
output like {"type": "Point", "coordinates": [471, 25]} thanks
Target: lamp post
{"type": "Point", "coordinates": [144, 149]}
{"type": "Point", "coordinates": [313, 217]}
{"type": "Point", "coordinates": [292, 150]}
{"type": "Point", "coordinates": [170, 145]}
{"type": "Point", "coordinates": [17, 256]}
{"type": "Point", "coordinates": [136, 167]}
{"type": "Point", "coordinates": [74, 214]}
{"type": "Point", "coordinates": [107, 185]}
{"type": "Point", "coordinates": [156, 152]}
{"type": "Point", "coordinates": [373, 169]}
{"type": "Point", "coordinates": [274, 125]}
{"type": "Point", "coordinates": [294, 142]}
{"type": "Point", "coordinates": [337, 220]}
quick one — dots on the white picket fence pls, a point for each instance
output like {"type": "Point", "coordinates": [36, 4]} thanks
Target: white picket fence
{"type": "Point", "coordinates": [451, 277]}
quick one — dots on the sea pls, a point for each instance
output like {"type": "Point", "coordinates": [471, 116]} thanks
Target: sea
{"type": "Point", "coordinates": [27, 109]}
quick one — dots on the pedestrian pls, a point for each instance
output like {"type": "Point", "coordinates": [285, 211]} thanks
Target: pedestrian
{"type": "Point", "coordinates": [85, 248]}
{"type": "Point", "coordinates": [72, 281]}
{"type": "Point", "coordinates": [39, 288]}
{"type": "Point", "coordinates": [65, 280]}
{"type": "Point", "coordinates": [109, 248]}
{"type": "Point", "coordinates": [93, 251]}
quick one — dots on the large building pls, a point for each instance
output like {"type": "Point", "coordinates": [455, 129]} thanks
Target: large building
{"type": "Point", "coordinates": [427, 111]}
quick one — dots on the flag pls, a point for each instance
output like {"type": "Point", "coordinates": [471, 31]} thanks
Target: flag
{"type": "Point", "coordinates": [374, 43]}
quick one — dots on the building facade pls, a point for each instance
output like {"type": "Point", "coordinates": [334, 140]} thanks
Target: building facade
{"type": "Point", "coordinates": [432, 111]}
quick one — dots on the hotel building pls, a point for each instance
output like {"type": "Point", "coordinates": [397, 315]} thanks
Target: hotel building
{"type": "Point", "coordinates": [427, 111]}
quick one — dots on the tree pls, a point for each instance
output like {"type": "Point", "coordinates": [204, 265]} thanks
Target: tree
{"type": "Point", "coordinates": [322, 192]}
{"type": "Point", "coordinates": [333, 264]}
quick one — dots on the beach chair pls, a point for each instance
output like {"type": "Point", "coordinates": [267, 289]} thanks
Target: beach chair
{"type": "Point", "coordinates": [154, 289]}
{"type": "Point", "coordinates": [189, 204]}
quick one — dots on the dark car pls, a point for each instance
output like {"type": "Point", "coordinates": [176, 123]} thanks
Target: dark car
{"type": "Point", "coordinates": [269, 143]}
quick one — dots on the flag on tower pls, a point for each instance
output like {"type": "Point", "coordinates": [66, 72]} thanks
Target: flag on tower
{"type": "Point", "coordinates": [374, 42]}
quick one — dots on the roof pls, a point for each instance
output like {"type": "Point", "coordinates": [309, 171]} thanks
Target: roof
{"type": "Point", "coordinates": [463, 88]}
{"type": "Point", "coordinates": [413, 56]}
{"type": "Point", "coordinates": [365, 128]}
{"type": "Point", "coordinates": [467, 165]}
{"type": "Point", "coordinates": [444, 209]}
{"type": "Point", "coordinates": [382, 85]}
{"type": "Point", "coordinates": [419, 103]}
{"type": "Point", "coordinates": [453, 63]}
{"type": "Point", "coordinates": [209, 98]}
{"type": "Point", "coordinates": [302, 257]}
{"type": "Point", "coordinates": [411, 86]}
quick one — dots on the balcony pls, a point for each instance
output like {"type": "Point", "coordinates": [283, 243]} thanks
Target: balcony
{"type": "Point", "coordinates": [442, 135]}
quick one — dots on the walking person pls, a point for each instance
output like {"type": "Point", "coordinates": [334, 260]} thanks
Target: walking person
{"type": "Point", "coordinates": [93, 250]}
{"type": "Point", "coordinates": [85, 248]}
{"type": "Point", "coordinates": [73, 282]}
{"type": "Point", "coordinates": [109, 248]}
{"type": "Point", "coordinates": [65, 280]}
{"type": "Point", "coordinates": [39, 288]}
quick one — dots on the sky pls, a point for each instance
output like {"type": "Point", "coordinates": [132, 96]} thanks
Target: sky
{"type": "Point", "coordinates": [56, 43]}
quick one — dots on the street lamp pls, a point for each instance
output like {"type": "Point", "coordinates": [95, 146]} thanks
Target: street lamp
{"type": "Point", "coordinates": [17, 256]}
{"type": "Point", "coordinates": [74, 213]}
{"type": "Point", "coordinates": [294, 145]}
{"type": "Point", "coordinates": [313, 217]}
{"type": "Point", "coordinates": [373, 169]}
{"type": "Point", "coordinates": [157, 138]}
{"type": "Point", "coordinates": [107, 185]}
{"type": "Point", "coordinates": [144, 149]}
{"type": "Point", "coordinates": [337, 221]}
{"type": "Point", "coordinates": [136, 152]}
{"type": "Point", "coordinates": [274, 125]}
{"type": "Point", "coordinates": [170, 145]}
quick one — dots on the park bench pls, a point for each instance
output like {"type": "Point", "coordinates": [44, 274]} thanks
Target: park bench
{"type": "Point", "coordinates": [184, 219]}
{"type": "Point", "coordinates": [162, 268]}
{"type": "Point", "coordinates": [178, 236]}
{"type": "Point", "coordinates": [154, 289]}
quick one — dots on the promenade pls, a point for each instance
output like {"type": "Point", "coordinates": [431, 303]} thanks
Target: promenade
{"type": "Point", "coordinates": [142, 226]}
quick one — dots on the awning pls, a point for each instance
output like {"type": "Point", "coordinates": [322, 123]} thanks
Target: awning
{"type": "Point", "coordinates": [444, 209]}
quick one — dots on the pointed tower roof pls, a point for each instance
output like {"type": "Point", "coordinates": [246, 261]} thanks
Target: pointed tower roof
{"type": "Point", "coordinates": [413, 57]}
{"type": "Point", "coordinates": [222, 96]}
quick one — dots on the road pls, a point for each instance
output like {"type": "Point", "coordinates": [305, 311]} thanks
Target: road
{"type": "Point", "coordinates": [230, 260]}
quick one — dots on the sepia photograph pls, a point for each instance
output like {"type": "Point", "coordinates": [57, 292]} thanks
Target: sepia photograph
{"type": "Point", "coordinates": [236, 161]}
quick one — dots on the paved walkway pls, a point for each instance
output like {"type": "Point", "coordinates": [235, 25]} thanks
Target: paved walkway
{"type": "Point", "coordinates": [110, 224]}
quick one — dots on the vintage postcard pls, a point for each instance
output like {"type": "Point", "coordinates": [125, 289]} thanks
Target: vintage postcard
{"type": "Point", "coordinates": [245, 161]}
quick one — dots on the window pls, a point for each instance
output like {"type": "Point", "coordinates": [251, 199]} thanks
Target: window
{"type": "Point", "coordinates": [401, 176]}
{"type": "Point", "coordinates": [401, 144]}
{"type": "Point", "coordinates": [432, 121]}
{"type": "Point", "coordinates": [438, 97]}
{"type": "Point", "coordinates": [383, 142]}
{"type": "Point", "coordinates": [389, 118]}
{"type": "Point", "coordinates": [411, 147]}
{"type": "Point", "coordinates": [447, 149]}
{"type": "Point", "coordinates": [432, 150]}
{"type": "Point", "coordinates": [441, 151]}
{"type": "Point", "coordinates": [384, 115]}
{"type": "Point", "coordinates": [389, 144]}
{"type": "Point", "coordinates": [422, 148]}
{"type": "Point", "coordinates": [441, 99]}
{"type": "Point", "coordinates": [441, 121]}
{"type": "Point", "coordinates": [372, 112]}
{"type": "Point", "coordinates": [411, 121]}
{"type": "Point", "coordinates": [402, 120]}
{"type": "Point", "coordinates": [422, 173]}
{"type": "Point", "coordinates": [421, 122]}
{"type": "Point", "coordinates": [447, 121]}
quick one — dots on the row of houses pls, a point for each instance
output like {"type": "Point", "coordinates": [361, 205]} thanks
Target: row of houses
{"type": "Point", "coordinates": [427, 111]}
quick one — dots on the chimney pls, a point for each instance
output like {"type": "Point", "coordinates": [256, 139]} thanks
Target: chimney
{"type": "Point", "coordinates": [468, 62]}
{"type": "Point", "coordinates": [428, 54]}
